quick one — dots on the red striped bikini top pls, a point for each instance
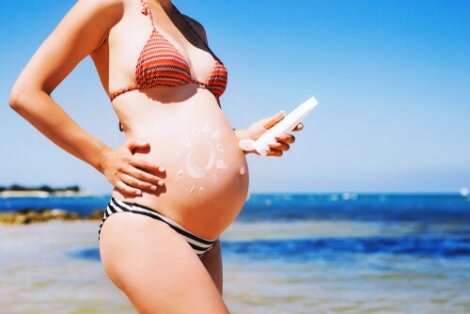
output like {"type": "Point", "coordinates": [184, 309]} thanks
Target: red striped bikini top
{"type": "Point", "coordinates": [161, 64]}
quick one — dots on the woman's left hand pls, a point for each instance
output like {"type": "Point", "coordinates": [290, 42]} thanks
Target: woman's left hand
{"type": "Point", "coordinates": [258, 128]}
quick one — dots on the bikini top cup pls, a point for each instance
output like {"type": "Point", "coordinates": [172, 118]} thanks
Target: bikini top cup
{"type": "Point", "coordinates": [161, 64]}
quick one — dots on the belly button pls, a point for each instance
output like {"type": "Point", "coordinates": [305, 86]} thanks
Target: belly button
{"type": "Point", "coordinates": [242, 171]}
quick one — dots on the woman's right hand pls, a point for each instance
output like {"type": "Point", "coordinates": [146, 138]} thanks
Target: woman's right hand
{"type": "Point", "coordinates": [128, 173]}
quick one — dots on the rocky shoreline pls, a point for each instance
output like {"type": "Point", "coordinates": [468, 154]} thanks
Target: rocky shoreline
{"type": "Point", "coordinates": [31, 215]}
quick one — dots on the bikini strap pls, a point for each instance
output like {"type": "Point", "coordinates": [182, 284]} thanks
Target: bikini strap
{"type": "Point", "coordinates": [145, 10]}
{"type": "Point", "coordinates": [144, 7]}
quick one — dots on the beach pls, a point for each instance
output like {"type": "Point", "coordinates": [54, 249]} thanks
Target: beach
{"type": "Point", "coordinates": [276, 263]}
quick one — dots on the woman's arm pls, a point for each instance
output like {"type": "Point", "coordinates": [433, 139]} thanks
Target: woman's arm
{"type": "Point", "coordinates": [78, 34]}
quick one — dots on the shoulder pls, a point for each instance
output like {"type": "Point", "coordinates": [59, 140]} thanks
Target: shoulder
{"type": "Point", "coordinates": [101, 8]}
{"type": "Point", "coordinates": [103, 3]}
{"type": "Point", "coordinates": [94, 16]}
{"type": "Point", "coordinates": [198, 26]}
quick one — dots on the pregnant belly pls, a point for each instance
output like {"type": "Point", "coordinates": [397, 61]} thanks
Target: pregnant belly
{"type": "Point", "coordinates": [206, 181]}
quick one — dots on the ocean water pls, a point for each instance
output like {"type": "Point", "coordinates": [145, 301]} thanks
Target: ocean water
{"type": "Point", "coordinates": [285, 253]}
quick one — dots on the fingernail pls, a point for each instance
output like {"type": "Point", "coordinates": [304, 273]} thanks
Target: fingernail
{"type": "Point", "coordinates": [160, 183]}
{"type": "Point", "coordinates": [153, 187]}
{"type": "Point", "coordinates": [138, 192]}
{"type": "Point", "coordinates": [161, 169]}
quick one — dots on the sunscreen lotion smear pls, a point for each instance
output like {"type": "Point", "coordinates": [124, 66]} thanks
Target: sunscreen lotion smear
{"type": "Point", "coordinates": [287, 124]}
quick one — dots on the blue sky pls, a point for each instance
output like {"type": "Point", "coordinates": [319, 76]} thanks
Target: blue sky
{"type": "Point", "coordinates": [392, 78]}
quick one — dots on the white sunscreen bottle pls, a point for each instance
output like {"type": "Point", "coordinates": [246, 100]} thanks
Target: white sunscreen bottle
{"type": "Point", "coordinates": [287, 124]}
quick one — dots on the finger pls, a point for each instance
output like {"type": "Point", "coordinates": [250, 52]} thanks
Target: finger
{"type": "Point", "coordinates": [275, 153]}
{"type": "Point", "coordinates": [135, 183]}
{"type": "Point", "coordinates": [142, 175]}
{"type": "Point", "coordinates": [143, 164]}
{"type": "Point", "coordinates": [127, 190]}
{"type": "Point", "coordinates": [134, 144]}
{"type": "Point", "coordinates": [286, 138]}
{"type": "Point", "coordinates": [269, 122]}
{"type": "Point", "coordinates": [299, 127]}
{"type": "Point", "coordinates": [279, 146]}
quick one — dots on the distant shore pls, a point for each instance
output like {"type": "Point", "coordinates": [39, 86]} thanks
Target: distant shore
{"type": "Point", "coordinates": [16, 190]}
{"type": "Point", "coordinates": [30, 215]}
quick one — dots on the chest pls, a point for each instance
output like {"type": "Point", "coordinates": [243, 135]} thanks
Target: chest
{"type": "Point", "coordinates": [133, 39]}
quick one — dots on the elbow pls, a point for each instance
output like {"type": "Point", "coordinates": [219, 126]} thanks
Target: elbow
{"type": "Point", "coordinates": [15, 97]}
{"type": "Point", "coordinates": [13, 100]}
{"type": "Point", "coordinates": [18, 97]}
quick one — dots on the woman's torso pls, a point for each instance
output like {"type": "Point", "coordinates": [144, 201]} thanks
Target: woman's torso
{"type": "Point", "coordinates": [206, 179]}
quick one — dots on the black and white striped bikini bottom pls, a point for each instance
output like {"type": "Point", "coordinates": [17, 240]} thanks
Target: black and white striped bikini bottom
{"type": "Point", "coordinates": [199, 245]}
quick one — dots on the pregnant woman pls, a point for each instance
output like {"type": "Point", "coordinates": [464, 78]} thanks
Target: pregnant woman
{"type": "Point", "coordinates": [180, 178]}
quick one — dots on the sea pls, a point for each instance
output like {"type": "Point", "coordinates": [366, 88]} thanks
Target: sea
{"type": "Point", "coordinates": [285, 253]}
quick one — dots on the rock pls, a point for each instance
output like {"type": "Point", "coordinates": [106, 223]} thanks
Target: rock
{"type": "Point", "coordinates": [29, 215]}
{"type": "Point", "coordinates": [25, 210]}
{"type": "Point", "coordinates": [7, 217]}
{"type": "Point", "coordinates": [58, 214]}
{"type": "Point", "coordinates": [72, 216]}
{"type": "Point", "coordinates": [22, 219]}
{"type": "Point", "coordinates": [97, 214]}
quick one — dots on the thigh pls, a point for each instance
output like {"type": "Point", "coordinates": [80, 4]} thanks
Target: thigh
{"type": "Point", "coordinates": [155, 267]}
{"type": "Point", "coordinates": [212, 260]}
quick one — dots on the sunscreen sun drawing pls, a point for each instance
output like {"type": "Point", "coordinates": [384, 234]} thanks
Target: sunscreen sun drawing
{"type": "Point", "coordinates": [201, 153]}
